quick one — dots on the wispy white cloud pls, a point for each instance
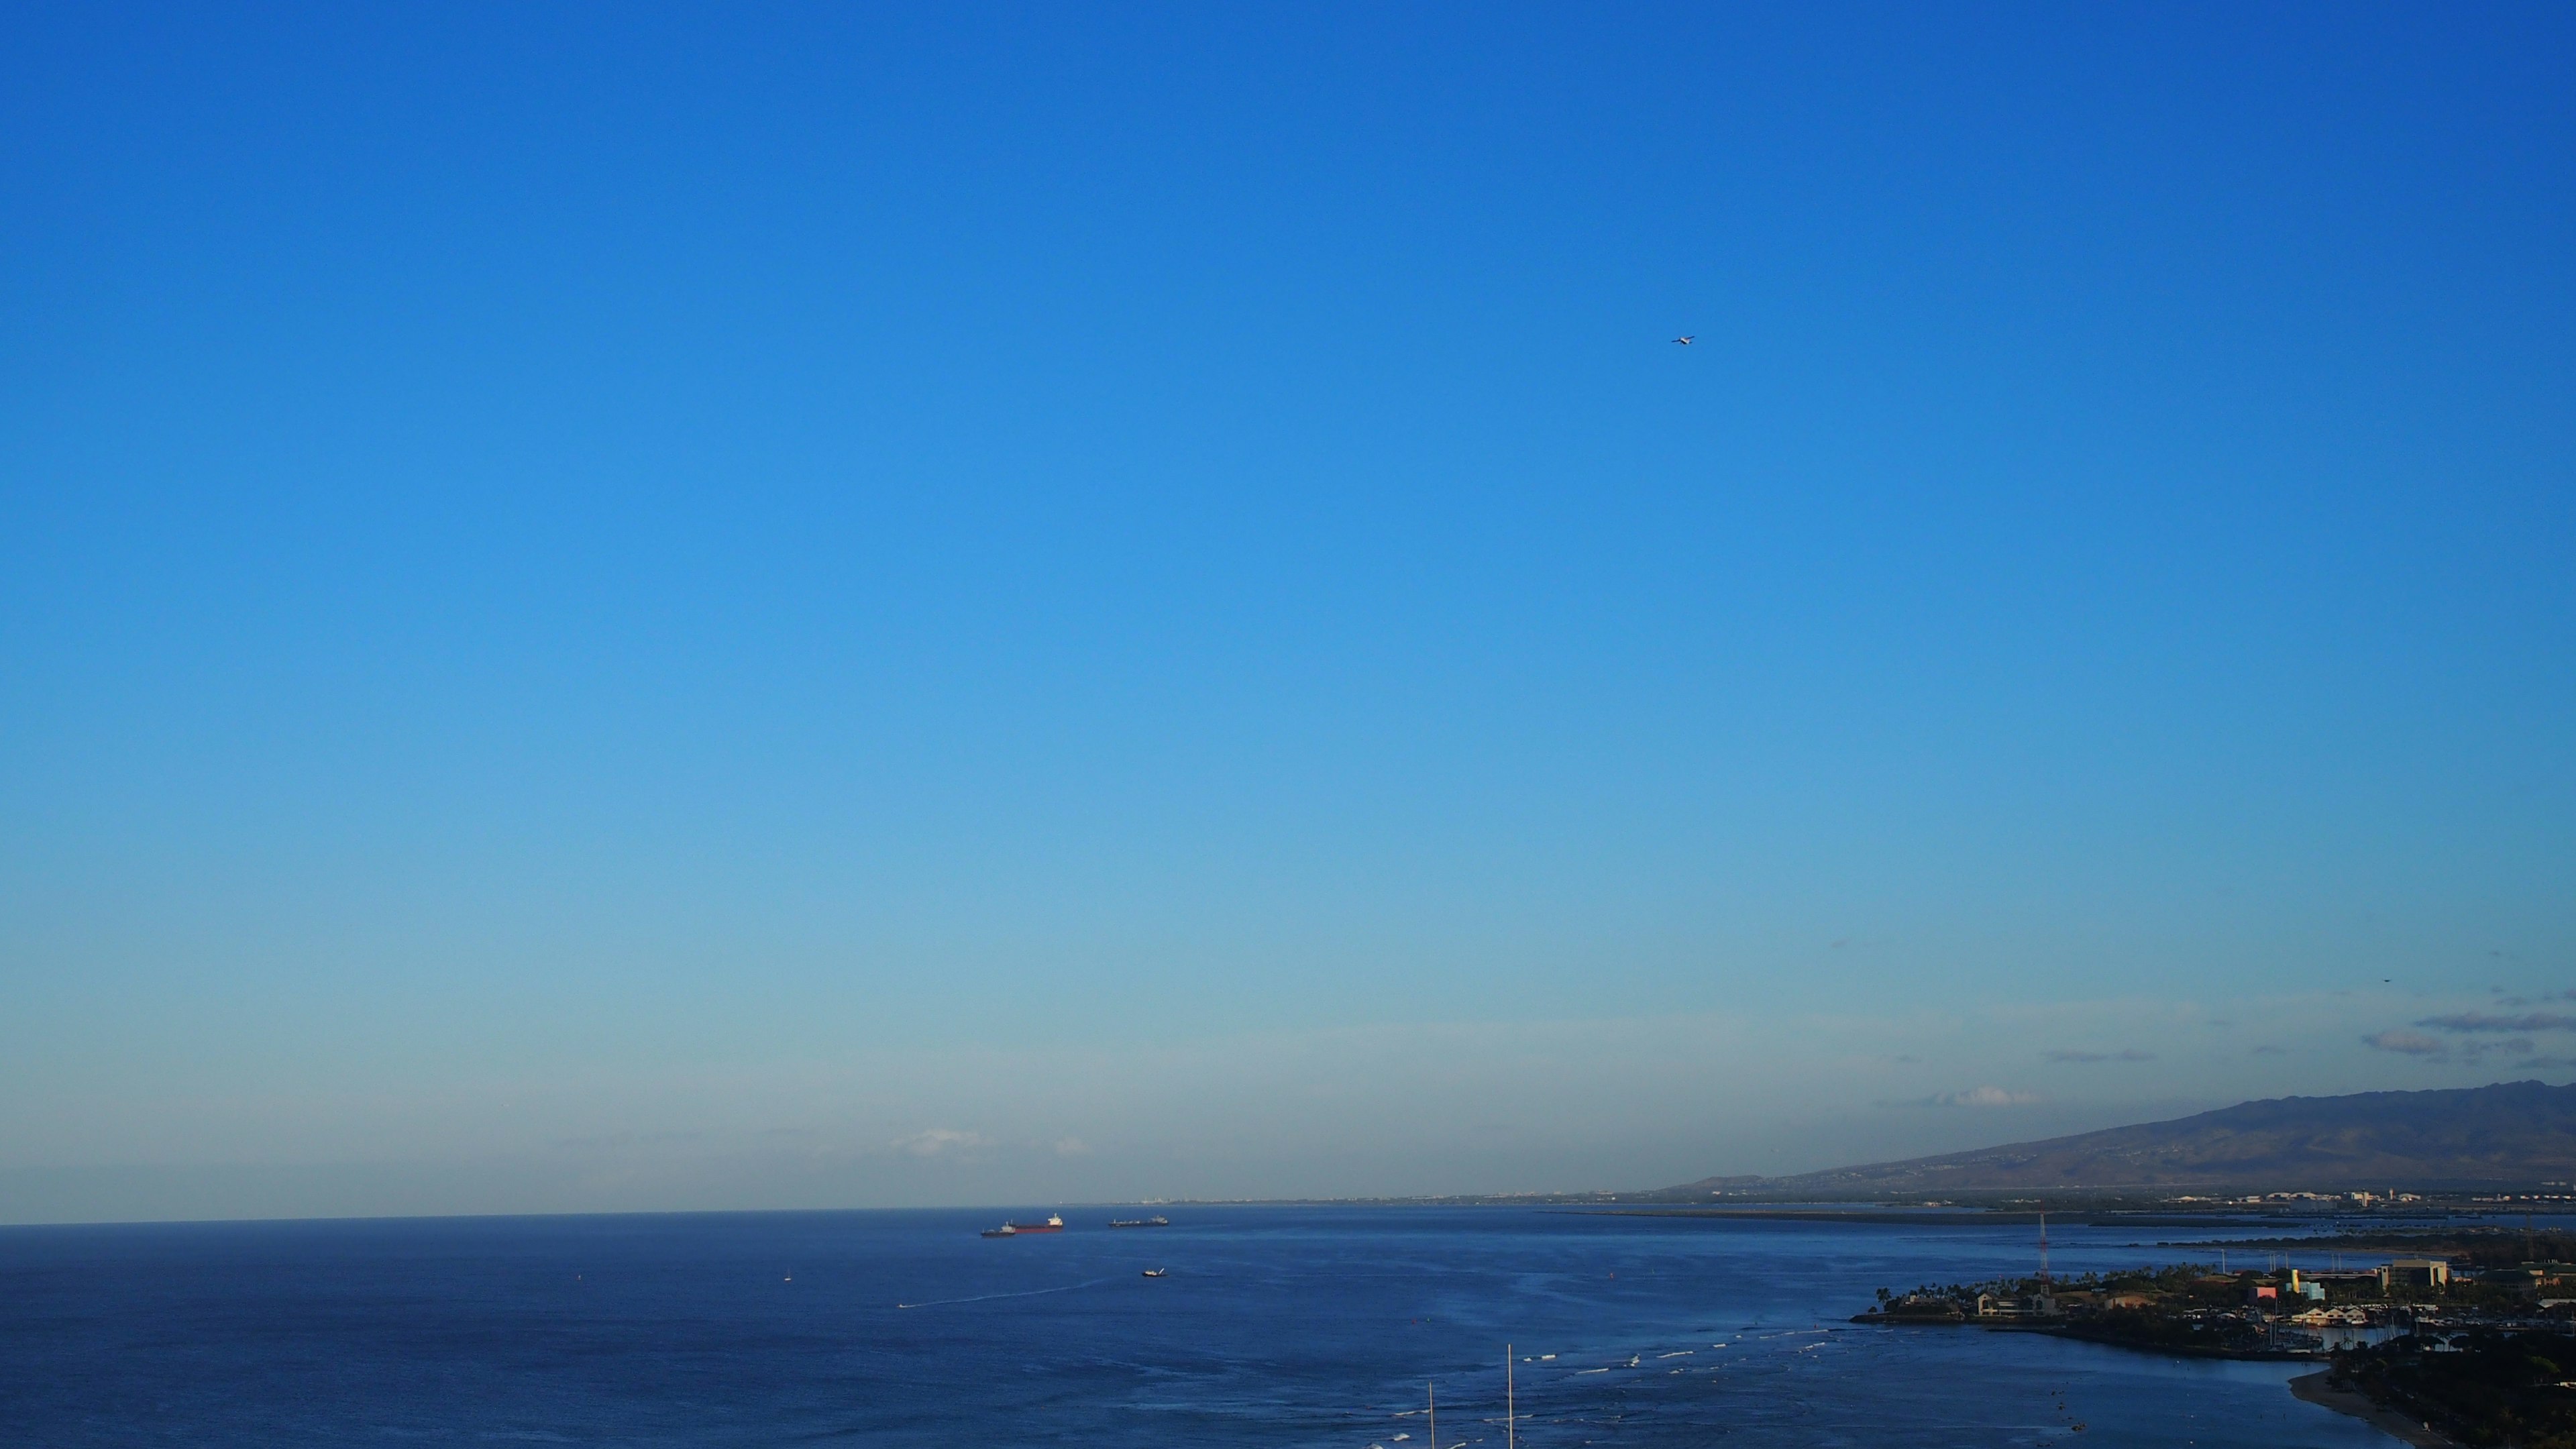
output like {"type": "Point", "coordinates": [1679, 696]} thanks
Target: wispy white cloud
{"type": "Point", "coordinates": [2407, 1043]}
{"type": "Point", "coordinates": [2489, 1022]}
{"type": "Point", "coordinates": [936, 1141]}
{"type": "Point", "coordinates": [2518, 1046]}
{"type": "Point", "coordinates": [1972, 1097]}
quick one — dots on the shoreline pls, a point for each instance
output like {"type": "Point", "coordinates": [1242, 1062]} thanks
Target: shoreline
{"type": "Point", "coordinates": [2060, 1330]}
{"type": "Point", "coordinates": [2316, 1389]}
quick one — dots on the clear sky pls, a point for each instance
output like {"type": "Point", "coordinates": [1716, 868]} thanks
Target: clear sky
{"type": "Point", "coordinates": [629, 606]}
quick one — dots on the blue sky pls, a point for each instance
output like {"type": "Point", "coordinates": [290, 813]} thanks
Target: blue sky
{"type": "Point", "coordinates": [647, 606]}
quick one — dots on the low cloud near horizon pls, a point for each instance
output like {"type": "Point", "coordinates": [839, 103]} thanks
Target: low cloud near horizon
{"type": "Point", "coordinates": [1395, 1110]}
{"type": "Point", "coordinates": [1972, 1097]}
{"type": "Point", "coordinates": [2131, 1054]}
{"type": "Point", "coordinates": [2480, 1021]}
{"type": "Point", "coordinates": [2471, 1036]}
{"type": "Point", "coordinates": [937, 1140]}
{"type": "Point", "coordinates": [2407, 1043]}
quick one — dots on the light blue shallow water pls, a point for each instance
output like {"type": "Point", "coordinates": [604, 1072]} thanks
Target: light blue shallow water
{"type": "Point", "coordinates": [1275, 1327]}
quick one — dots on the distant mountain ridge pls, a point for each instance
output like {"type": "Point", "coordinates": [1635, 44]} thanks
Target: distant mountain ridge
{"type": "Point", "coordinates": [2512, 1134]}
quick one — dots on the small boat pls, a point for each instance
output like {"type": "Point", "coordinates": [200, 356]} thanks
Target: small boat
{"type": "Point", "coordinates": [1155, 1272]}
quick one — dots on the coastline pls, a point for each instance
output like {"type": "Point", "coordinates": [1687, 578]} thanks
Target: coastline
{"type": "Point", "coordinates": [2315, 1389]}
{"type": "Point", "coordinates": [2061, 1330]}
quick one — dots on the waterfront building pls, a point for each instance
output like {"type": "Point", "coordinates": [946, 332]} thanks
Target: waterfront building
{"type": "Point", "coordinates": [2415, 1273]}
{"type": "Point", "coordinates": [2004, 1305]}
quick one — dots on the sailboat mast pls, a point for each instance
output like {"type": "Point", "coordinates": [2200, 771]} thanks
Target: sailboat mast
{"type": "Point", "coordinates": [1431, 1397]}
{"type": "Point", "coordinates": [1511, 1416]}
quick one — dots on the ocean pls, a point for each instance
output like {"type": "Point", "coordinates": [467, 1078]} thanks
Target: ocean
{"type": "Point", "coordinates": [1274, 1326]}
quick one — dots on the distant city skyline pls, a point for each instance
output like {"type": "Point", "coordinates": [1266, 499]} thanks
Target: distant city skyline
{"type": "Point", "coordinates": [659, 608]}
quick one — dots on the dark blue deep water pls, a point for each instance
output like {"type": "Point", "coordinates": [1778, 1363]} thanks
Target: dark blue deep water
{"type": "Point", "coordinates": [1275, 1327]}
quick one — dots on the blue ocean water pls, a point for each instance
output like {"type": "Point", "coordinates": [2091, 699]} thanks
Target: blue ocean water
{"type": "Point", "coordinates": [1274, 1327]}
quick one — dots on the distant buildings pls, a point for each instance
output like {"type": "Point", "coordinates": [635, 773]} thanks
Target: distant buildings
{"type": "Point", "coordinates": [2415, 1273]}
{"type": "Point", "coordinates": [2007, 1305]}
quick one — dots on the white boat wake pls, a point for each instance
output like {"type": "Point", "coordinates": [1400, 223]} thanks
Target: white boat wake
{"type": "Point", "coordinates": [989, 1297]}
